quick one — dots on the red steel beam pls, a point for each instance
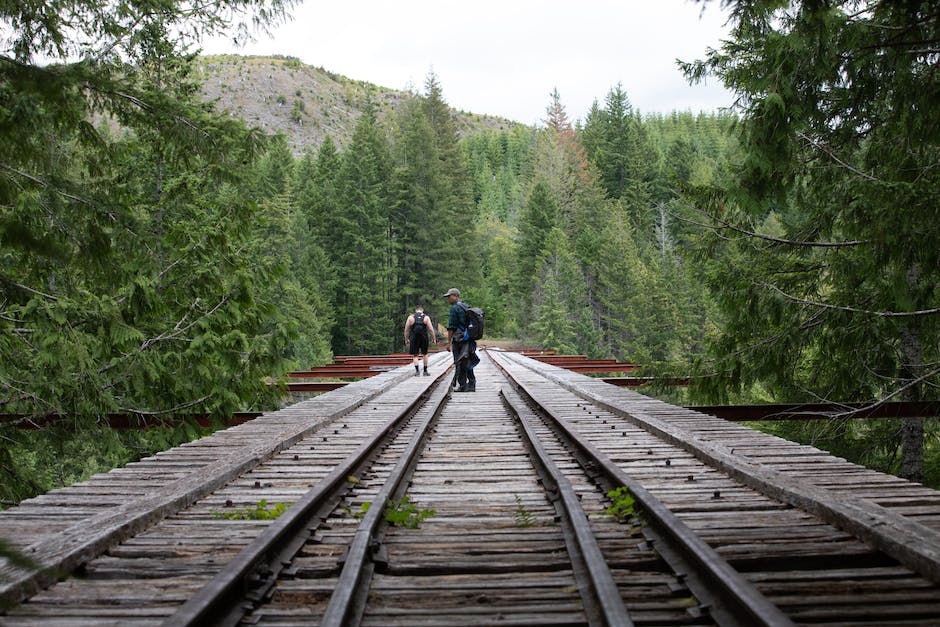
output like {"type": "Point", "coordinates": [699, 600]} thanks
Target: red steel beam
{"type": "Point", "coordinates": [315, 386]}
{"type": "Point", "coordinates": [558, 361]}
{"type": "Point", "coordinates": [603, 368]}
{"type": "Point", "coordinates": [338, 373]}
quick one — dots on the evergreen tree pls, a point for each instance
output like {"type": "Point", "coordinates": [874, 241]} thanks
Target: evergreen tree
{"type": "Point", "coordinates": [500, 164]}
{"type": "Point", "coordinates": [419, 212]}
{"type": "Point", "coordinates": [452, 193]}
{"type": "Point", "coordinates": [275, 169]}
{"type": "Point", "coordinates": [539, 217]}
{"type": "Point", "coordinates": [310, 265]}
{"type": "Point", "coordinates": [317, 193]}
{"type": "Point", "coordinates": [616, 141]}
{"type": "Point", "coordinates": [432, 223]}
{"type": "Point", "coordinates": [827, 241]}
{"type": "Point", "coordinates": [359, 243]}
{"type": "Point", "coordinates": [562, 321]}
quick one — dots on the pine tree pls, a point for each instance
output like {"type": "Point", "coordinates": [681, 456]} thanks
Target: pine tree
{"type": "Point", "coordinates": [312, 191]}
{"type": "Point", "coordinates": [562, 320]}
{"type": "Point", "coordinates": [827, 243]}
{"type": "Point", "coordinates": [359, 243]}
{"type": "Point", "coordinates": [419, 213]}
{"type": "Point", "coordinates": [452, 192]}
{"type": "Point", "coordinates": [539, 217]}
{"type": "Point", "coordinates": [618, 147]}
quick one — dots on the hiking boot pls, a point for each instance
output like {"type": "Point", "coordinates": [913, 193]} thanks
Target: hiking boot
{"type": "Point", "coordinates": [471, 388]}
{"type": "Point", "coordinates": [427, 374]}
{"type": "Point", "coordinates": [463, 388]}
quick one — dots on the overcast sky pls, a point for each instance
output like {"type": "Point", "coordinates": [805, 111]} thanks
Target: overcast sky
{"type": "Point", "coordinates": [505, 57]}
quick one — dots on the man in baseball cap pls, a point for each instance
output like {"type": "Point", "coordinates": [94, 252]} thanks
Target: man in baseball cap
{"type": "Point", "coordinates": [464, 349]}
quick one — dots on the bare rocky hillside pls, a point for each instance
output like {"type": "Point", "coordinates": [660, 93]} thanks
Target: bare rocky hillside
{"type": "Point", "coordinates": [304, 102]}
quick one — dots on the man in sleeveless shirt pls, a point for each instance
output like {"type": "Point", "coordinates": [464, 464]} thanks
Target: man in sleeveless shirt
{"type": "Point", "coordinates": [418, 329]}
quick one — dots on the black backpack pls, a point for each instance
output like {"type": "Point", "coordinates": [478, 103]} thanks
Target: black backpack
{"type": "Point", "coordinates": [419, 328]}
{"type": "Point", "coordinates": [474, 321]}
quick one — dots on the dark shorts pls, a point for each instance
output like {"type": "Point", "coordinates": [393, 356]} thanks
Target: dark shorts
{"type": "Point", "coordinates": [419, 345]}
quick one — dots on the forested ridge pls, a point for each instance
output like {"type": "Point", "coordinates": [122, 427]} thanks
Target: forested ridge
{"type": "Point", "coordinates": [163, 258]}
{"type": "Point", "coordinates": [307, 104]}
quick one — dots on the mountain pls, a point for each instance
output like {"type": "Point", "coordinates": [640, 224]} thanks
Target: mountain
{"type": "Point", "coordinates": [306, 103]}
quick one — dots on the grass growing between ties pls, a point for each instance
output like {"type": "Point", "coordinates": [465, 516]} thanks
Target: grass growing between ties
{"type": "Point", "coordinates": [258, 512]}
{"type": "Point", "coordinates": [401, 513]}
{"type": "Point", "coordinates": [622, 504]}
{"type": "Point", "coordinates": [524, 517]}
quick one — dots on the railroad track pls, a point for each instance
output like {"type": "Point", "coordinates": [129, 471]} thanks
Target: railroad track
{"type": "Point", "coordinates": [519, 478]}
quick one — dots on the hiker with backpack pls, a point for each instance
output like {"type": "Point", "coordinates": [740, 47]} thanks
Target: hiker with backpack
{"type": "Point", "coordinates": [464, 328]}
{"type": "Point", "coordinates": [418, 328]}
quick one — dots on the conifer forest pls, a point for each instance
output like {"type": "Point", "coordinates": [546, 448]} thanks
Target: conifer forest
{"type": "Point", "coordinates": [161, 258]}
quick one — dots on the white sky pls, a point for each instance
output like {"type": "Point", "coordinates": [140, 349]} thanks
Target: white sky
{"type": "Point", "coordinates": [504, 58]}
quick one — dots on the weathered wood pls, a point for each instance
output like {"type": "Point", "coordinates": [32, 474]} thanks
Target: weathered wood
{"type": "Point", "coordinates": [905, 539]}
{"type": "Point", "coordinates": [493, 552]}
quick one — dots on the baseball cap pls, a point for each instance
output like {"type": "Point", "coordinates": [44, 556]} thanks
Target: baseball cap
{"type": "Point", "coordinates": [452, 292]}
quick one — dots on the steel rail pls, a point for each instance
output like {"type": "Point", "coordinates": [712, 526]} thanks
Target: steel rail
{"type": "Point", "coordinates": [743, 601]}
{"type": "Point", "coordinates": [221, 600]}
{"type": "Point", "coordinates": [90, 537]}
{"type": "Point", "coordinates": [350, 593]}
{"type": "Point", "coordinates": [601, 596]}
{"type": "Point", "coordinates": [908, 541]}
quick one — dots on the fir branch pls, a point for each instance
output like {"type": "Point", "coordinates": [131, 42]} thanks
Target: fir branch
{"type": "Point", "coordinates": [43, 183]}
{"type": "Point", "coordinates": [710, 227]}
{"type": "Point", "coordinates": [880, 314]}
{"type": "Point", "coordinates": [171, 410]}
{"type": "Point", "coordinates": [724, 224]}
{"type": "Point", "coordinates": [910, 383]}
{"type": "Point", "coordinates": [769, 238]}
{"type": "Point", "coordinates": [832, 156]}
{"type": "Point", "coordinates": [179, 328]}
{"type": "Point", "coordinates": [26, 288]}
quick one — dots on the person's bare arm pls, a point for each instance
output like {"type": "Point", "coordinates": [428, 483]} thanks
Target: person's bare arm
{"type": "Point", "coordinates": [410, 321]}
{"type": "Point", "coordinates": [427, 321]}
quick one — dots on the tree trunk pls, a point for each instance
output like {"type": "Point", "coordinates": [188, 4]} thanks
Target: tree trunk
{"type": "Point", "coordinates": [912, 449]}
{"type": "Point", "coordinates": [912, 429]}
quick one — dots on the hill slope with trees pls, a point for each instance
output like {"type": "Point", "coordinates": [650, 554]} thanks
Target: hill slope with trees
{"type": "Point", "coordinates": [307, 104]}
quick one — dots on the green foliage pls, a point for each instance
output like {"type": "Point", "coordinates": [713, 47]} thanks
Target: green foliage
{"type": "Point", "coordinates": [623, 505]}
{"type": "Point", "coordinates": [825, 244]}
{"type": "Point", "coordinates": [358, 243]}
{"type": "Point", "coordinates": [123, 249]}
{"type": "Point", "coordinates": [259, 512]}
{"type": "Point", "coordinates": [401, 513]}
{"type": "Point", "coordinates": [573, 262]}
{"type": "Point", "coordinates": [14, 557]}
{"type": "Point", "coordinates": [297, 112]}
{"type": "Point", "coordinates": [524, 517]}
{"type": "Point", "coordinates": [33, 462]}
